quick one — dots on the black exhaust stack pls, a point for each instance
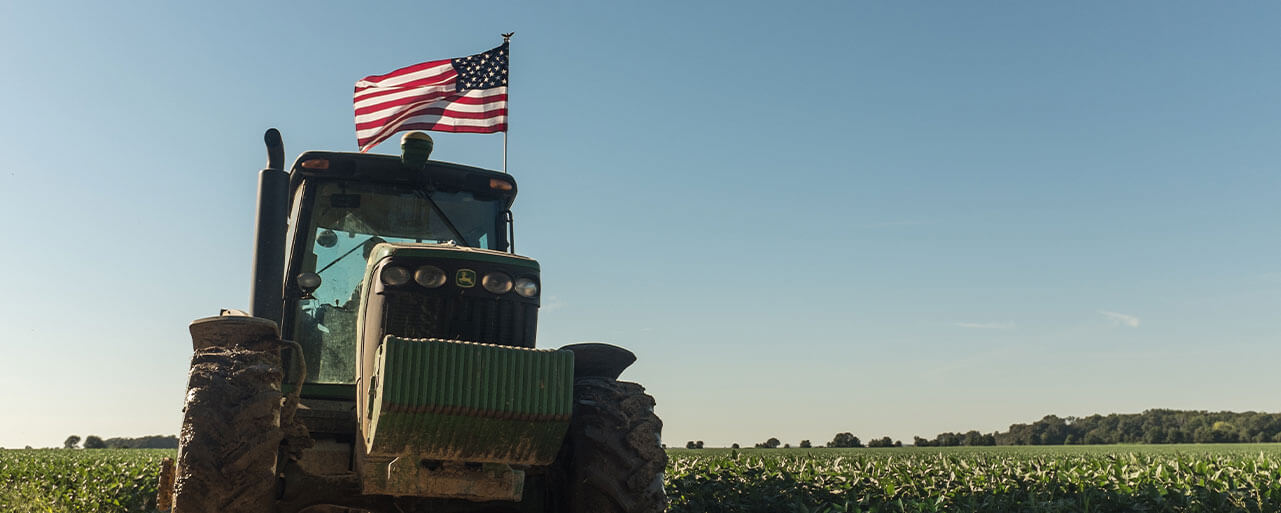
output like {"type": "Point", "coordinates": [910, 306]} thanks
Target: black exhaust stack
{"type": "Point", "coordinates": [267, 300]}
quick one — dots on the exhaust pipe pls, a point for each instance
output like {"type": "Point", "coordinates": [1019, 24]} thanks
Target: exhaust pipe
{"type": "Point", "coordinates": [268, 277]}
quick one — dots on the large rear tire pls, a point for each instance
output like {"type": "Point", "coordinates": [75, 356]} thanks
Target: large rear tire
{"type": "Point", "coordinates": [617, 458]}
{"type": "Point", "coordinates": [230, 432]}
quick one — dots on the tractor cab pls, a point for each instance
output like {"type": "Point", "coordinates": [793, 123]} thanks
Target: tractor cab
{"type": "Point", "coordinates": [442, 216]}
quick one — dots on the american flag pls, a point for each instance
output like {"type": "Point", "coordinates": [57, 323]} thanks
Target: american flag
{"type": "Point", "coordinates": [467, 94]}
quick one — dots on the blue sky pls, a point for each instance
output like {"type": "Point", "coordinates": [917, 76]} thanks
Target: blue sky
{"type": "Point", "coordinates": [879, 217]}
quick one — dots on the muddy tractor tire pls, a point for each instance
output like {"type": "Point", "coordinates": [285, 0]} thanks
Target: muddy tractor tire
{"type": "Point", "coordinates": [616, 458]}
{"type": "Point", "coordinates": [230, 432]}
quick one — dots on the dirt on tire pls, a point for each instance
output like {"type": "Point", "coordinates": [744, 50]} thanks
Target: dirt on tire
{"type": "Point", "coordinates": [617, 458]}
{"type": "Point", "coordinates": [230, 432]}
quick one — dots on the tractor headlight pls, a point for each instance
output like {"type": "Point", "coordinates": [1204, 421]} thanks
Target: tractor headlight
{"type": "Point", "coordinates": [430, 276]}
{"type": "Point", "coordinates": [395, 275]}
{"type": "Point", "coordinates": [497, 283]}
{"type": "Point", "coordinates": [526, 287]}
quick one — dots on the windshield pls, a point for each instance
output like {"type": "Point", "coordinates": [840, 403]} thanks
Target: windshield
{"type": "Point", "coordinates": [347, 221]}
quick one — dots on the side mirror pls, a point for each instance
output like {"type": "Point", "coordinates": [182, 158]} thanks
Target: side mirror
{"type": "Point", "coordinates": [308, 282]}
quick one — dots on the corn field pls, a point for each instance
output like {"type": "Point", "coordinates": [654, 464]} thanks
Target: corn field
{"type": "Point", "coordinates": [80, 481]}
{"type": "Point", "coordinates": [1153, 478]}
{"type": "Point", "coordinates": [1190, 478]}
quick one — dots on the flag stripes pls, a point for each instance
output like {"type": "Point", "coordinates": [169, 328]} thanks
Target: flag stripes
{"type": "Point", "coordinates": [467, 94]}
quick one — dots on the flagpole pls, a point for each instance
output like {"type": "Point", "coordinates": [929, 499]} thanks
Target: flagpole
{"type": "Point", "coordinates": [507, 41]}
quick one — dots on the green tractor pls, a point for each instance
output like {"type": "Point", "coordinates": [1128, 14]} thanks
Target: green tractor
{"type": "Point", "coordinates": [387, 363]}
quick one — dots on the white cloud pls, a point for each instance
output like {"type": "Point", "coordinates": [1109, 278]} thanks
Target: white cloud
{"type": "Point", "coordinates": [1007, 325]}
{"type": "Point", "coordinates": [1120, 319]}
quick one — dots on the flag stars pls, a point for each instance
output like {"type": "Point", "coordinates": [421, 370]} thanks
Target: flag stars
{"type": "Point", "coordinates": [483, 70]}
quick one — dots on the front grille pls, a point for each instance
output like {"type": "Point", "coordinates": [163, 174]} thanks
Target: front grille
{"type": "Point", "coordinates": [472, 319]}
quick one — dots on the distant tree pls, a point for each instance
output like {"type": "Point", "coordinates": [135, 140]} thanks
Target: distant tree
{"type": "Point", "coordinates": [845, 440]}
{"type": "Point", "coordinates": [691, 445]}
{"type": "Point", "coordinates": [1203, 435]}
{"type": "Point", "coordinates": [898, 443]}
{"type": "Point", "coordinates": [881, 442]}
{"type": "Point", "coordinates": [787, 446]}
{"type": "Point", "coordinates": [734, 446]}
{"type": "Point", "coordinates": [921, 442]}
{"type": "Point", "coordinates": [698, 444]}
{"type": "Point", "coordinates": [71, 442]}
{"type": "Point", "coordinates": [94, 442]}
{"type": "Point", "coordinates": [772, 443]}
{"type": "Point", "coordinates": [805, 444]}
{"type": "Point", "coordinates": [145, 442]}
{"type": "Point", "coordinates": [1131, 429]}
{"type": "Point", "coordinates": [1224, 432]}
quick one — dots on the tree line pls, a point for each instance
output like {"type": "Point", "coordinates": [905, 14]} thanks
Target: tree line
{"type": "Point", "coordinates": [1156, 426]}
{"type": "Point", "coordinates": [145, 442]}
{"type": "Point", "coordinates": [840, 440]}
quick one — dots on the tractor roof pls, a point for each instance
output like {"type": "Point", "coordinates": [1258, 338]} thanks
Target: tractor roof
{"type": "Point", "coordinates": [365, 167]}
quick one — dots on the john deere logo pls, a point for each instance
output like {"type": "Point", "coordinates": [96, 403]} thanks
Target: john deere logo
{"type": "Point", "coordinates": [466, 278]}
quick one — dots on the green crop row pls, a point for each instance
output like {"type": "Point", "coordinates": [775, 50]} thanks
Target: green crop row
{"type": "Point", "coordinates": [81, 481]}
{"type": "Point", "coordinates": [1187, 478]}
{"type": "Point", "coordinates": [1195, 478]}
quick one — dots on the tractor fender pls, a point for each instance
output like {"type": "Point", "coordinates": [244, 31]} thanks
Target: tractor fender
{"type": "Point", "coordinates": [593, 359]}
{"type": "Point", "coordinates": [230, 330]}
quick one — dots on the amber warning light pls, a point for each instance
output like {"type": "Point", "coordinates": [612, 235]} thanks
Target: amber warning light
{"type": "Point", "coordinates": [315, 164]}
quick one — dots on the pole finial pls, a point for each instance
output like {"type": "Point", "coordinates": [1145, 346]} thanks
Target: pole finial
{"type": "Point", "coordinates": [508, 37]}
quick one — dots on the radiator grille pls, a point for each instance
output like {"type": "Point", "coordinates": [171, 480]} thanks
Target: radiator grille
{"type": "Point", "coordinates": [458, 317]}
